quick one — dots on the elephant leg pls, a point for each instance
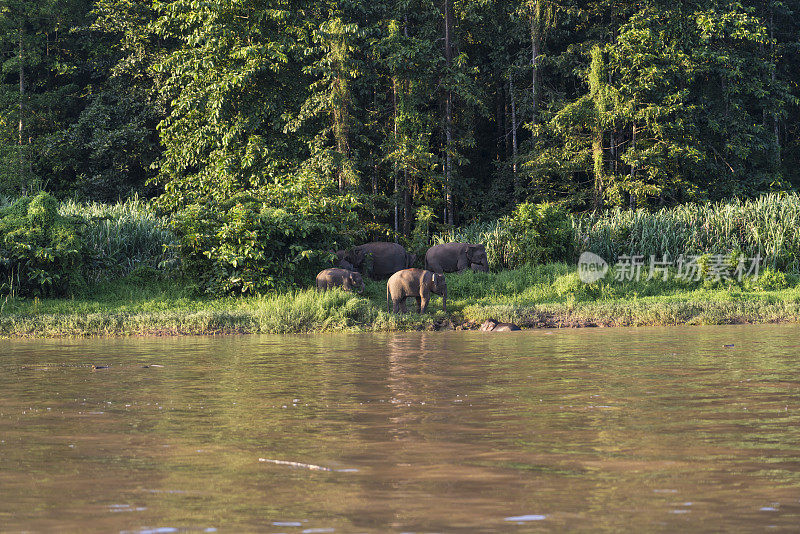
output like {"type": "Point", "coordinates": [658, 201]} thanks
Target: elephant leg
{"type": "Point", "coordinates": [403, 305]}
{"type": "Point", "coordinates": [463, 263]}
{"type": "Point", "coordinates": [419, 304]}
{"type": "Point", "coordinates": [423, 304]}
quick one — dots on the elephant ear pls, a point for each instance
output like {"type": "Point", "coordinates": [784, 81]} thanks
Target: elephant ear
{"type": "Point", "coordinates": [470, 251]}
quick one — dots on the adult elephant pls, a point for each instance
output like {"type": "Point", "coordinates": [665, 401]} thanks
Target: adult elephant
{"type": "Point", "coordinates": [342, 263]}
{"type": "Point", "coordinates": [452, 257]}
{"type": "Point", "coordinates": [416, 283]}
{"type": "Point", "coordinates": [379, 259]}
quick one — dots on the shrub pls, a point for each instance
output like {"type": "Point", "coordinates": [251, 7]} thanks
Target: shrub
{"type": "Point", "coordinates": [532, 234]}
{"type": "Point", "coordinates": [41, 251]}
{"type": "Point", "coordinates": [248, 244]}
{"type": "Point", "coordinates": [537, 233]}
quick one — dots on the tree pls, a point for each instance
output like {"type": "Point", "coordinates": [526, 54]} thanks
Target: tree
{"type": "Point", "coordinates": [38, 84]}
{"type": "Point", "coordinates": [232, 82]}
{"type": "Point", "coordinates": [335, 70]}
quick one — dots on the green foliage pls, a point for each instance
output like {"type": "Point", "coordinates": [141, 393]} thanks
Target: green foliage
{"type": "Point", "coordinates": [533, 234]}
{"type": "Point", "coordinates": [768, 280]}
{"type": "Point", "coordinates": [231, 86]}
{"type": "Point", "coordinates": [120, 238]}
{"type": "Point", "coordinates": [590, 103]}
{"type": "Point", "coordinates": [768, 226]}
{"type": "Point", "coordinates": [52, 248]}
{"type": "Point", "coordinates": [537, 233]}
{"type": "Point", "coordinates": [252, 244]}
{"type": "Point", "coordinates": [41, 251]}
{"type": "Point", "coordinates": [682, 103]}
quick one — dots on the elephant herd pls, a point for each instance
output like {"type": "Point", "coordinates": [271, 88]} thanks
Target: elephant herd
{"type": "Point", "coordinates": [381, 260]}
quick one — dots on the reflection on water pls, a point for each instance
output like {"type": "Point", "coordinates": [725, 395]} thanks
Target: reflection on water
{"type": "Point", "coordinates": [590, 430]}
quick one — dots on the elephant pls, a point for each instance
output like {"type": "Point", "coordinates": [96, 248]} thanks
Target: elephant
{"type": "Point", "coordinates": [452, 257]}
{"type": "Point", "coordinates": [492, 325]}
{"type": "Point", "coordinates": [417, 283]}
{"type": "Point", "coordinates": [341, 262]}
{"type": "Point", "coordinates": [334, 277]}
{"type": "Point", "coordinates": [379, 259]}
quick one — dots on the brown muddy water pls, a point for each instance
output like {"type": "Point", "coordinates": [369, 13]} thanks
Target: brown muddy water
{"type": "Point", "coordinates": [598, 430]}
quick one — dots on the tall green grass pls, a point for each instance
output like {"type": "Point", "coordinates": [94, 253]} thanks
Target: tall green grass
{"type": "Point", "coordinates": [768, 226]}
{"type": "Point", "coordinates": [122, 237]}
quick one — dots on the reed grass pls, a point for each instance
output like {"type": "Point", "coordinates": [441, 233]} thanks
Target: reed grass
{"type": "Point", "coordinates": [768, 226]}
{"type": "Point", "coordinates": [123, 237]}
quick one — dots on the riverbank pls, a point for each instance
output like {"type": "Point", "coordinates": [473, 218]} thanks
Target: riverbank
{"type": "Point", "coordinates": [547, 296]}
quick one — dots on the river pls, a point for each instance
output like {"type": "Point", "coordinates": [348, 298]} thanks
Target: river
{"type": "Point", "coordinates": [692, 429]}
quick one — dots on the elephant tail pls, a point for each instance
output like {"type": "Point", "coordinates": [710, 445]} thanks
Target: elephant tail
{"type": "Point", "coordinates": [388, 298]}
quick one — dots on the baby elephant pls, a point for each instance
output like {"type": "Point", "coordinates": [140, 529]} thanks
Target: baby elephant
{"type": "Point", "coordinates": [335, 277]}
{"type": "Point", "coordinates": [493, 326]}
{"type": "Point", "coordinates": [417, 283]}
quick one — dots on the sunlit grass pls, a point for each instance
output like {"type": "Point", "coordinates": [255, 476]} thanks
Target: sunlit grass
{"type": "Point", "coordinates": [123, 237]}
{"type": "Point", "coordinates": [538, 296]}
{"type": "Point", "coordinates": [768, 226]}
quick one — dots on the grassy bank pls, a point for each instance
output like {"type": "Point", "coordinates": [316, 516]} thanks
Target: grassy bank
{"type": "Point", "coordinates": [542, 296]}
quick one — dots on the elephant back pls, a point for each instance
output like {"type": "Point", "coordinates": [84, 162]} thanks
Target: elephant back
{"type": "Point", "coordinates": [385, 258]}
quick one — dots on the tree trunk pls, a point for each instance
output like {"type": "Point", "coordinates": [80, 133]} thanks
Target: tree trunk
{"type": "Point", "coordinates": [21, 111]}
{"type": "Point", "coordinates": [775, 123]}
{"type": "Point", "coordinates": [633, 167]}
{"type": "Point", "coordinates": [513, 125]}
{"type": "Point", "coordinates": [614, 152]}
{"type": "Point", "coordinates": [448, 119]}
{"type": "Point", "coordinates": [506, 128]}
{"type": "Point", "coordinates": [396, 208]}
{"type": "Point", "coordinates": [341, 133]}
{"type": "Point", "coordinates": [535, 43]}
{"type": "Point", "coordinates": [407, 205]}
{"type": "Point", "coordinates": [597, 157]}
{"type": "Point", "coordinates": [374, 172]}
{"type": "Point", "coordinates": [373, 156]}
{"type": "Point", "coordinates": [500, 118]}
{"type": "Point", "coordinates": [595, 85]}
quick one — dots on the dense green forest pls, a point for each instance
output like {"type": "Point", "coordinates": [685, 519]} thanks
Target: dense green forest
{"type": "Point", "coordinates": [463, 108]}
{"type": "Point", "coordinates": [308, 125]}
